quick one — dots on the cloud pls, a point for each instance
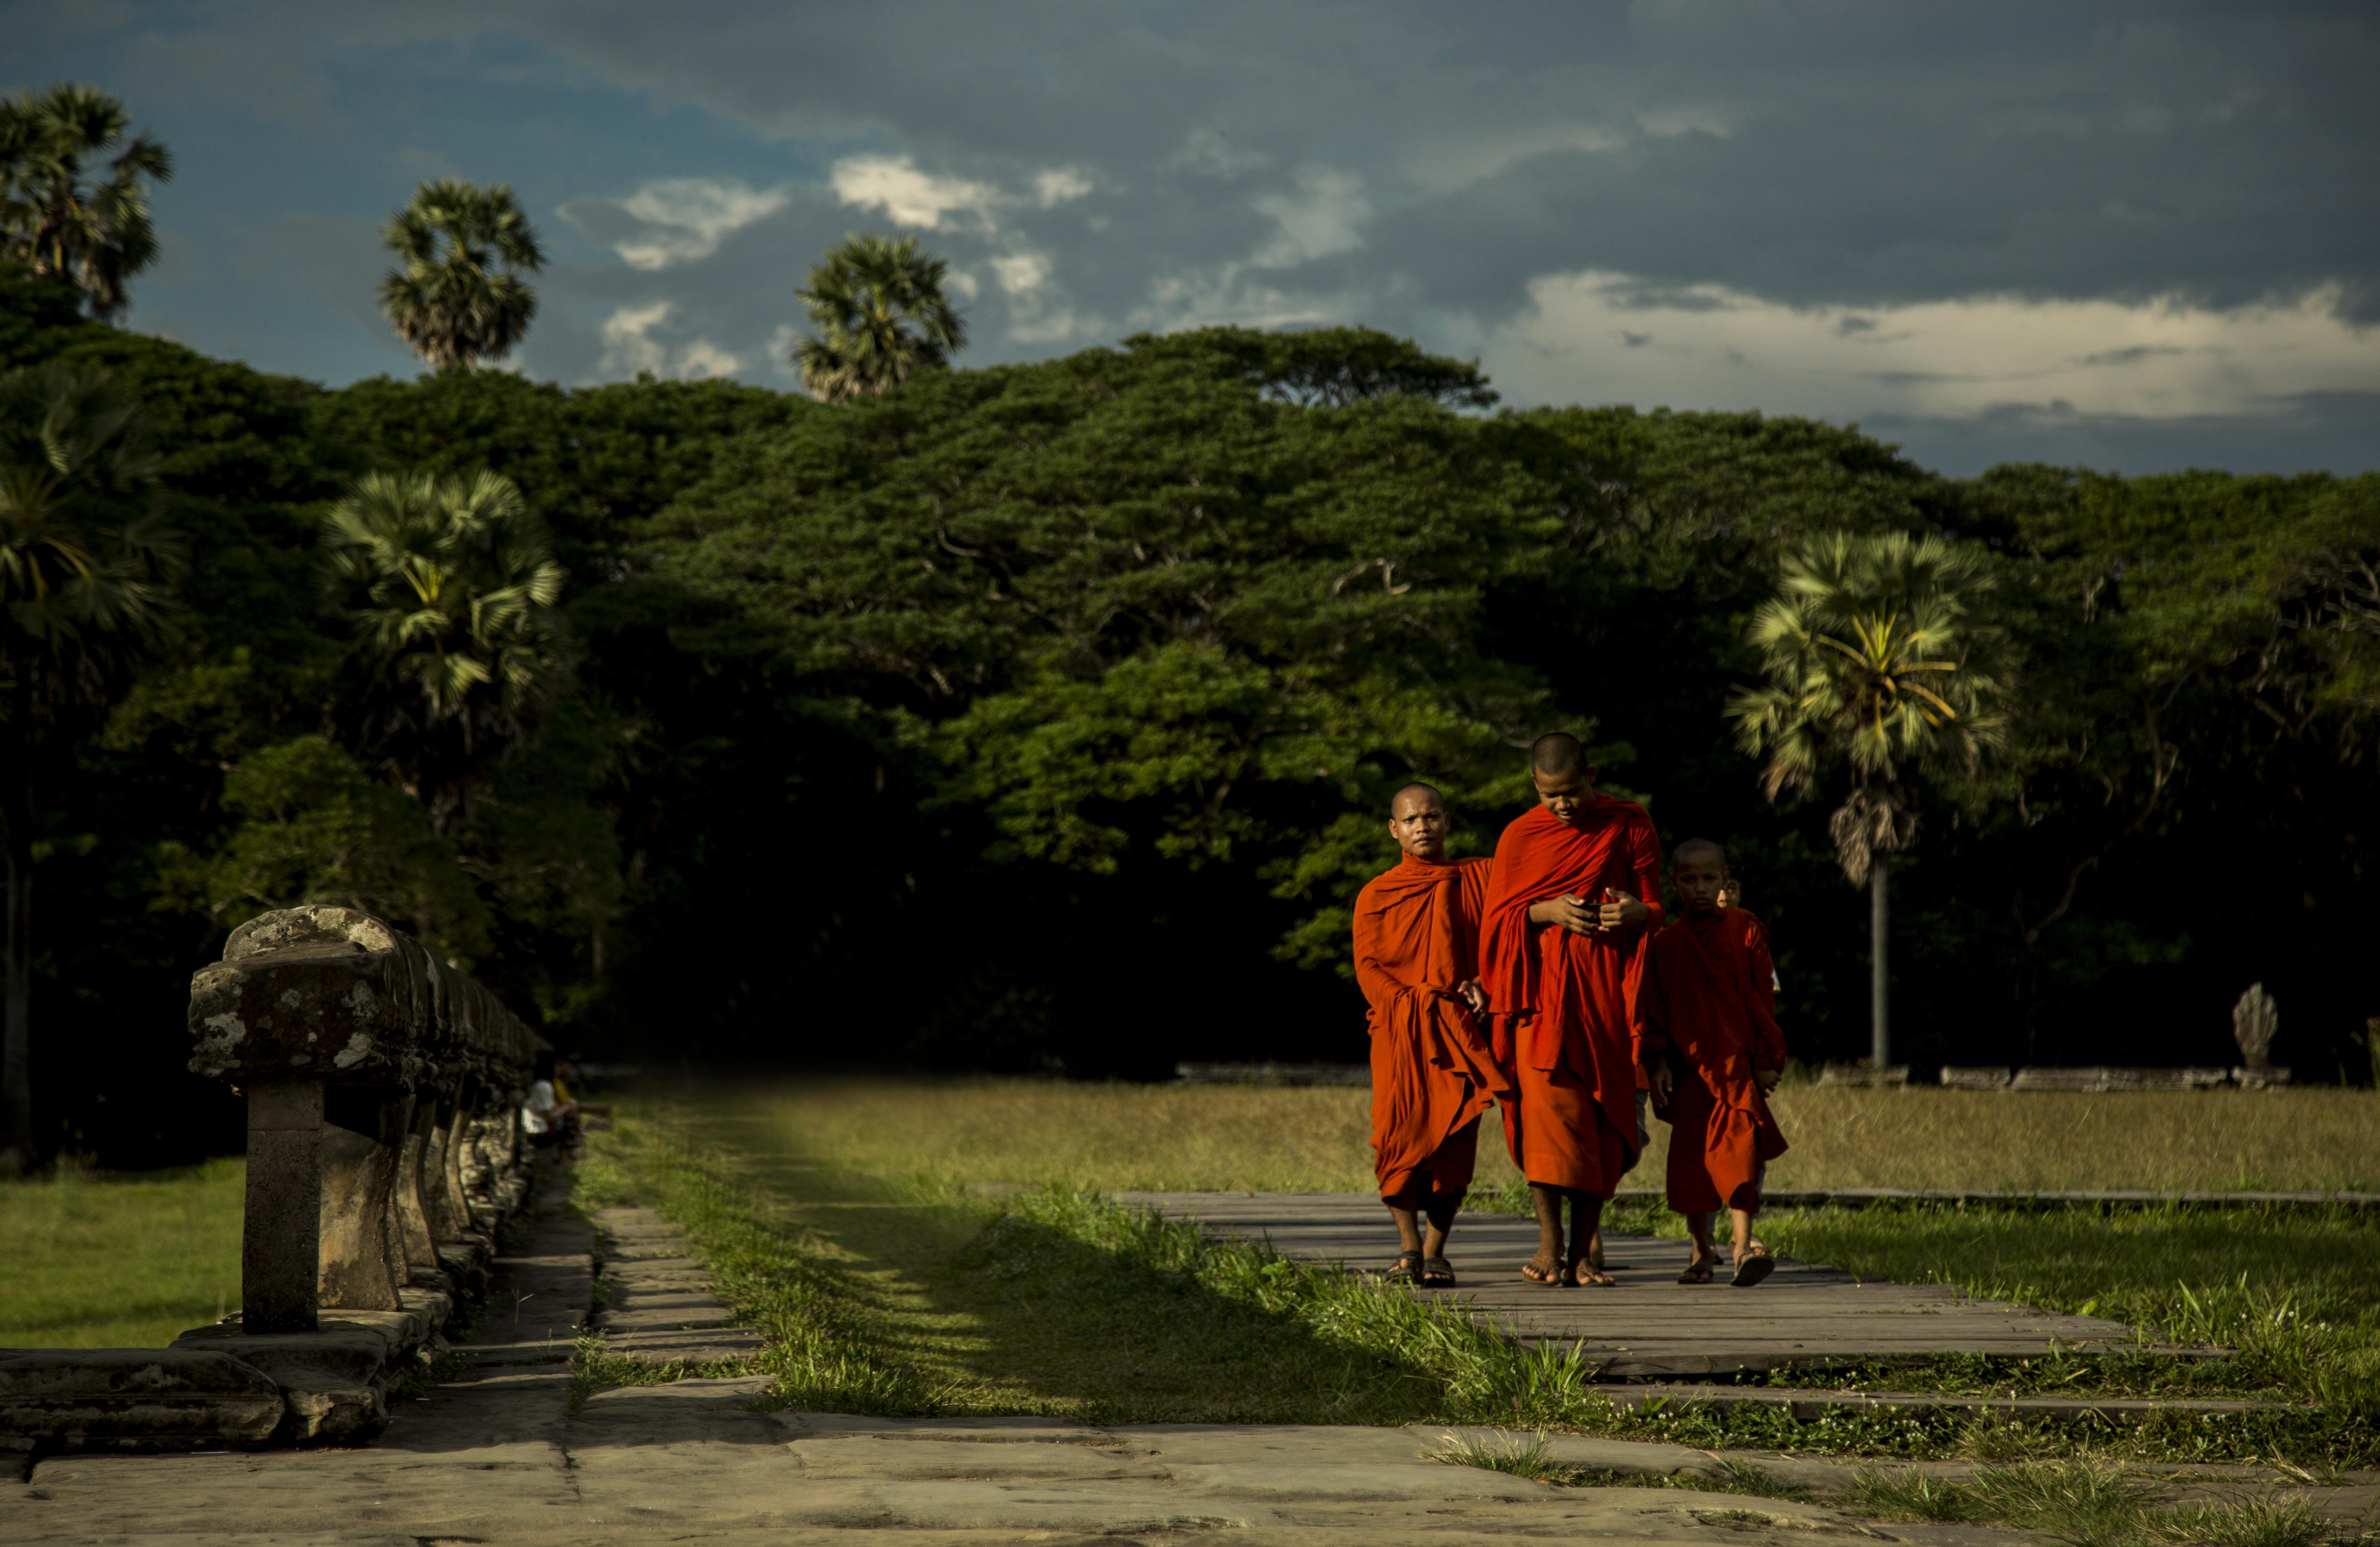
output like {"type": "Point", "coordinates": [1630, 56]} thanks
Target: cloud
{"type": "Point", "coordinates": [1711, 346]}
{"type": "Point", "coordinates": [630, 346]}
{"type": "Point", "coordinates": [909, 197]}
{"type": "Point", "coordinates": [674, 220]}
{"type": "Point", "coordinates": [1021, 272]}
{"type": "Point", "coordinates": [1325, 215]}
{"type": "Point", "coordinates": [1060, 185]}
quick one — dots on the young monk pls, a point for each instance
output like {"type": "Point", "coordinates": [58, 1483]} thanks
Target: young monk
{"type": "Point", "coordinates": [1706, 1023]}
{"type": "Point", "coordinates": [1417, 932]}
{"type": "Point", "coordinates": [1577, 886]}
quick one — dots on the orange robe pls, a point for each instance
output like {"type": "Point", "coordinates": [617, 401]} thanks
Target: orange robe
{"type": "Point", "coordinates": [1562, 1003]}
{"type": "Point", "coordinates": [1709, 1006]}
{"type": "Point", "coordinates": [1416, 929]}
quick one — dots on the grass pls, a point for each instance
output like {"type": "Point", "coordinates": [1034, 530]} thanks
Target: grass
{"type": "Point", "coordinates": [916, 1293]}
{"type": "Point", "coordinates": [2084, 1503]}
{"type": "Point", "coordinates": [124, 1262]}
{"type": "Point", "coordinates": [2090, 1503]}
{"type": "Point", "coordinates": [1316, 1138]}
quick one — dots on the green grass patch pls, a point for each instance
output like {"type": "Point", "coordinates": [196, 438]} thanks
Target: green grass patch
{"type": "Point", "coordinates": [2296, 1294]}
{"type": "Point", "coordinates": [2088, 1503]}
{"type": "Point", "coordinates": [911, 1296]}
{"type": "Point", "coordinates": [101, 1261]}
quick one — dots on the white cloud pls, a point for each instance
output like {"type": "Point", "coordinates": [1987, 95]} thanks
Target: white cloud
{"type": "Point", "coordinates": [686, 218]}
{"type": "Point", "coordinates": [674, 220]}
{"type": "Point", "coordinates": [1209, 150]}
{"type": "Point", "coordinates": [1060, 185]}
{"type": "Point", "coordinates": [963, 284]}
{"type": "Point", "coordinates": [1325, 215]}
{"type": "Point", "coordinates": [910, 197]}
{"type": "Point", "coordinates": [1667, 123]}
{"type": "Point", "coordinates": [629, 346]}
{"type": "Point", "coordinates": [1020, 272]}
{"type": "Point", "coordinates": [1606, 337]}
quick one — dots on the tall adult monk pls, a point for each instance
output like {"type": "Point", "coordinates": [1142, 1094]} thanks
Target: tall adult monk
{"type": "Point", "coordinates": [1417, 932]}
{"type": "Point", "coordinates": [1577, 886]}
{"type": "Point", "coordinates": [1706, 1021]}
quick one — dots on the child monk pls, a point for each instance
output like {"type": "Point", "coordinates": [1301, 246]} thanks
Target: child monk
{"type": "Point", "coordinates": [1416, 932]}
{"type": "Point", "coordinates": [1576, 889]}
{"type": "Point", "coordinates": [1707, 1026]}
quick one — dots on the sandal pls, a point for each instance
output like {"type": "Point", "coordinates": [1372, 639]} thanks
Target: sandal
{"type": "Point", "coordinates": [1408, 1268]}
{"type": "Point", "coordinates": [1437, 1272]}
{"type": "Point", "coordinates": [1696, 1272]}
{"type": "Point", "coordinates": [1752, 1267]}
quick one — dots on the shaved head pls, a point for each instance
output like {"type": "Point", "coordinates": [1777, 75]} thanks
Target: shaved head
{"type": "Point", "coordinates": [1417, 822]}
{"type": "Point", "coordinates": [1699, 867]}
{"type": "Point", "coordinates": [1556, 753]}
{"type": "Point", "coordinates": [1699, 849]}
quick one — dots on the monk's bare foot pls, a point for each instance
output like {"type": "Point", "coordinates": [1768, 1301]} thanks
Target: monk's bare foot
{"type": "Point", "coordinates": [1586, 1272]}
{"type": "Point", "coordinates": [1542, 1269]}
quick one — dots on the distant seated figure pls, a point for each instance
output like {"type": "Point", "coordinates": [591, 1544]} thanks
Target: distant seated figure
{"type": "Point", "coordinates": [547, 1116]}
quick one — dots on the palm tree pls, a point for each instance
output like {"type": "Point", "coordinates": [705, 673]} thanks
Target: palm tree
{"type": "Point", "coordinates": [59, 217]}
{"type": "Point", "coordinates": [457, 297]}
{"type": "Point", "coordinates": [86, 575]}
{"type": "Point", "coordinates": [1870, 667]}
{"type": "Point", "coordinates": [878, 316]}
{"type": "Point", "coordinates": [450, 586]}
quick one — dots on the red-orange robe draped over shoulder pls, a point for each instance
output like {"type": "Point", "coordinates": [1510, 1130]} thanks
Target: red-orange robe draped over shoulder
{"type": "Point", "coordinates": [1416, 934]}
{"type": "Point", "coordinates": [1709, 997]}
{"type": "Point", "coordinates": [1562, 1005]}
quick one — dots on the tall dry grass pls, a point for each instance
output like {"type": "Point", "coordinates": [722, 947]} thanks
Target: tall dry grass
{"type": "Point", "coordinates": [1196, 1137]}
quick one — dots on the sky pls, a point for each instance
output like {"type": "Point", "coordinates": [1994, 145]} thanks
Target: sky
{"type": "Point", "coordinates": [2132, 237]}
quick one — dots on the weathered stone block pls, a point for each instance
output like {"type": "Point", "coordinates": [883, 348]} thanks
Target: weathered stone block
{"type": "Point", "coordinates": [136, 1398]}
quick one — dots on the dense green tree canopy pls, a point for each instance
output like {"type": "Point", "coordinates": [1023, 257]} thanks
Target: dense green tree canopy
{"type": "Point", "coordinates": [1040, 717]}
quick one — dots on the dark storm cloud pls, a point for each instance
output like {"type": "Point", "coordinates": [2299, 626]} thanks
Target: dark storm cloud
{"type": "Point", "coordinates": [1435, 169]}
{"type": "Point", "coordinates": [1846, 154]}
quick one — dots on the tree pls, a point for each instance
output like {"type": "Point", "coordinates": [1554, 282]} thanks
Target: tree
{"type": "Point", "coordinates": [87, 570]}
{"type": "Point", "coordinates": [62, 219]}
{"type": "Point", "coordinates": [457, 297]}
{"type": "Point", "coordinates": [1871, 669]}
{"type": "Point", "coordinates": [879, 317]}
{"type": "Point", "coordinates": [450, 587]}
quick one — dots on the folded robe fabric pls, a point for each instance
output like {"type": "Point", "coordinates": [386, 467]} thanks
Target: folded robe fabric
{"type": "Point", "coordinates": [1416, 929]}
{"type": "Point", "coordinates": [1709, 997]}
{"type": "Point", "coordinates": [1562, 1005]}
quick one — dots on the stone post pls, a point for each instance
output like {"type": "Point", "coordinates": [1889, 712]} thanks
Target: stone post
{"type": "Point", "coordinates": [282, 1235]}
{"type": "Point", "coordinates": [363, 1263]}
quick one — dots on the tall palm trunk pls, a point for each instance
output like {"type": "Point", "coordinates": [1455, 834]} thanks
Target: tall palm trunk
{"type": "Point", "coordinates": [1880, 972]}
{"type": "Point", "coordinates": [16, 966]}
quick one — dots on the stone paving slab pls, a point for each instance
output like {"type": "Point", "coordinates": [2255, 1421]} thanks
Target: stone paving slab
{"type": "Point", "coordinates": [660, 1303]}
{"type": "Point", "coordinates": [1651, 1326]}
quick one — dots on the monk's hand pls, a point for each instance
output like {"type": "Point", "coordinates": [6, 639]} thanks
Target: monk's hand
{"type": "Point", "coordinates": [1621, 911]}
{"type": "Point", "coordinates": [1475, 996]}
{"type": "Point", "coordinates": [1768, 1078]}
{"type": "Point", "coordinates": [1662, 1080]}
{"type": "Point", "coordinates": [1572, 913]}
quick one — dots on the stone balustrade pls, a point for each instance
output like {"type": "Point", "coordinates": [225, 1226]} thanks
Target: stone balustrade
{"type": "Point", "coordinates": [384, 1155]}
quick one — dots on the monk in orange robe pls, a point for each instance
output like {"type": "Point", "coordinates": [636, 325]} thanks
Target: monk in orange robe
{"type": "Point", "coordinates": [1417, 932]}
{"type": "Point", "coordinates": [1706, 1023]}
{"type": "Point", "coordinates": [1576, 889]}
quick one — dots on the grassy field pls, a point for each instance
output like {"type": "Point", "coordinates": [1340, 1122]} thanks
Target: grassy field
{"type": "Point", "coordinates": [118, 1261]}
{"type": "Point", "coordinates": [1316, 1139]}
{"type": "Point", "coordinates": [844, 1221]}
